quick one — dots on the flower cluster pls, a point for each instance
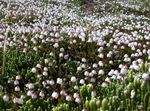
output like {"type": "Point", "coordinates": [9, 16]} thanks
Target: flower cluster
{"type": "Point", "coordinates": [58, 57]}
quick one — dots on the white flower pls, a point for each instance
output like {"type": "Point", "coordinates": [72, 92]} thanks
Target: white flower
{"type": "Point", "coordinates": [18, 77]}
{"type": "Point", "coordinates": [146, 76]}
{"type": "Point", "coordinates": [93, 80]}
{"type": "Point", "coordinates": [51, 54]}
{"type": "Point", "coordinates": [82, 81]}
{"type": "Point", "coordinates": [41, 94]}
{"type": "Point", "coordinates": [61, 54]}
{"type": "Point", "coordinates": [62, 50]}
{"type": "Point", "coordinates": [15, 100]}
{"type": "Point", "coordinates": [17, 88]}
{"type": "Point", "coordinates": [93, 71]}
{"type": "Point", "coordinates": [6, 97]}
{"type": "Point", "coordinates": [33, 70]}
{"type": "Point", "coordinates": [62, 92]}
{"type": "Point", "coordinates": [46, 61]}
{"type": "Point", "coordinates": [132, 94]}
{"type": "Point", "coordinates": [22, 96]}
{"type": "Point", "coordinates": [39, 66]}
{"type": "Point", "coordinates": [59, 81]}
{"type": "Point", "coordinates": [107, 79]}
{"type": "Point", "coordinates": [124, 71]}
{"type": "Point", "coordinates": [93, 93]}
{"type": "Point", "coordinates": [56, 45]}
{"type": "Point", "coordinates": [79, 68]}
{"type": "Point", "coordinates": [30, 86]}
{"type": "Point", "coordinates": [45, 69]}
{"type": "Point", "coordinates": [78, 100]}
{"type": "Point", "coordinates": [94, 65]}
{"type": "Point", "coordinates": [74, 41]}
{"type": "Point", "coordinates": [73, 79]}
{"type": "Point", "coordinates": [75, 95]}
{"type": "Point", "coordinates": [51, 82]}
{"type": "Point", "coordinates": [55, 95]}
{"type": "Point", "coordinates": [68, 98]}
{"type": "Point", "coordinates": [29, 93]}
{"type": "Point", "coordinates": [45, 73]}
{"type": "Point", "coordinates": [83, 60]}
{"type": "Point", "coordinates": [100, 72]}
{"type": "Point", "coordinates": [76, 87]}
{"type": "Point", "coordinates": [86, 73]}
{"type": "Point", "coordinates": [34, 95]}
{"type": "Point", "coordinates": [100, 63]}
{"type": "Point", "coordinates": [104, 84]}
{"type": "Point", "coordinates": [16, 82]}
{"type": "Point", "coordinates": [101, 55]}
{"type": "Point", "coordinates": [20, 101]}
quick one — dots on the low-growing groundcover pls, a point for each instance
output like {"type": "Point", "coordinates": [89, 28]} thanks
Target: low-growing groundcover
{"type": "Point", "coordinates": [57, 57]}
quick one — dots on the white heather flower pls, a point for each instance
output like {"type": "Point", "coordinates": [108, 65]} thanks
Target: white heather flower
{"type": "Point", "coordinates": [33, 70]}
{"type": "Point", "coordinates": [68, 98]}
{"type": "Point", "coordinates": [73, 79]}
{"type": "Point", "coordinates": [35, 48]}
{"type": "Point", "coordinates": [62, 50]}
{"type": "Point", "coordinates": [76, 87]}
{"type": "Point", "coordinates": [146, 76]}
{"type": "Point", "coordinates": [20, 101]}
{"type": "Point", "coordinates": [15, 100]}
{"type": "Point", "coordinates": [94, 65]}
{"type": "Point", "coordinates": [29, 93]}
{"type": "Point", "coordinates": [132, 94]}
{"type": "Point", "coordinates": [79, 68]}
{"type": "Point", "coordinates": [93, 80]}
{"type": "Point", "coordinates": [86, 73]}
{"type": "Point", "coordinates": [51, 82]}
{"type": "Point", "coordinates": [100, 63]}
{"type": "Point", "coordinates": [62, 92]}
{"type": "Point", "coordinates": [39, 66]}
{"type": "Point", "coordinates": [124, 71]}
{"type": "Point", "coordinates": [30, 86]}
{"type": "Point", "coordinates": [66, 57]}
{"type": "Point", "coordinates": [74, 41]}
{"type": "Point", "coordinates": [101, 55]}
{"type": "Point", "coordinates": [6, 97]}
{"type": "Point", "coordinates": [75, 95]}
{"type": "Point", "coordinates": [41, 94]}
{"type": "Point", "coordinates": [114, 77]}
{"type": "Point", "coordinates": [78, 100]}
{"type": "Point", "coordinates": [59, 81]}
{"type": "Point", "coordinates": [61, 54]}
{"type": "Point", "coordinates": [91, 74]}
{"type": "Point", "coordinates": [93, 71]}
{"type": "Point", "coordinates": [16, 82]}
{"type": "Point", "coordinates": [107, 79]}
{"type": "Point", "coordinates": [17, 88]}
{"type": "Point", "coordinates": [46, 61]}
{"type": "Point", "coordinates": [56, 45]}
{"type": "Point", "coordinates": [18, 77]}
{"type": "Point", "coordinates": [22, 96]}
{"type": "Point", "coordinates": [45, 73]}
{"type": "Point", "coordinates": [82, 81]}
{"type": "Point", "coordinates": [55, 95]}
{"type": "Point", "coordinates": [83, 60]}
{"type": "Point", "coordinates": [51, 53]}
{"type": "Point", "coordinates": [83, 66]}
{"type": "Point", "coordinates": [93, 93]}
{"type": "Point", "coordinates": [45, 69]}
{"type": "Point", "coordinates": [101, 72]}
{"type": "Point", "coordinates": [34, 95]}
{"type": "Point", "coordinates": [104, 84]}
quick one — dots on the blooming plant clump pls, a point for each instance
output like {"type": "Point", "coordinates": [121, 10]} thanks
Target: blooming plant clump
{"type": "Point", "coordinates": [55, 56]}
